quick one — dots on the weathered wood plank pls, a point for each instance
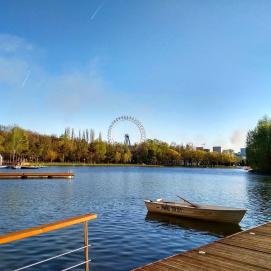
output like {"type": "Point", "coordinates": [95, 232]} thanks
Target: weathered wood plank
{"type": "Point", "coordinates": [245, 251]}
{"type": "Point", "coordinates": [180, 265]}
{"type": "Point", "coordinates": [258, 244]}
{"type": "Point", "coordinates": [263, 231]}
{"type": "Point", "coordinates": [204, 265]}
{"type": "Point", "coordinates": [215, 262]}
{"type": "Point", "coordinates": [26, 175]}
{"type": "Point", "coordinates": [251, 236]}
{"type": "Point", "coordinates": [246, 256]}
{"type": "Point", "coordinates": [192, 261]}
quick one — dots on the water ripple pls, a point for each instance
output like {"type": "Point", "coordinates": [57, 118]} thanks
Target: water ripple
{"type": "Point", "coordinates": [124, 236]}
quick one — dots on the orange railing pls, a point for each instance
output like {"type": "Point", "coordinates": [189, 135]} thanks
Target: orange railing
{"type": "Point", "coordinates": [18, 235]}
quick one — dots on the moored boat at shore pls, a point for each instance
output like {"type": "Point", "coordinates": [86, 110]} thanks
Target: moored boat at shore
{"type": "Point", "coordinates": [203, 212]}
{"type": "Point", "coordinates": [16, 167]}
{"type": "Point", "coordinates": [30, 167]}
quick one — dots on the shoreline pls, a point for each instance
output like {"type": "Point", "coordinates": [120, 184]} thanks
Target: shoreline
{"type": "Point", "coordinates": [70, 164]}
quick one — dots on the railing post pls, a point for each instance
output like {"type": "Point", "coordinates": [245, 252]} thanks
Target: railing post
{"type": "Point", "coordinates": [86, 245]}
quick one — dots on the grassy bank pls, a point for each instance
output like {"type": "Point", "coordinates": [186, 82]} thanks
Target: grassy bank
{"type": "Point", "coordinates": [68, 164]}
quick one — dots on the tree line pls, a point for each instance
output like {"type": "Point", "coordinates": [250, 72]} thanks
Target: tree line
{"type": "Point", "coordinates": [259, 146]}
{"type": "Point", "coordinates": [17, 144]}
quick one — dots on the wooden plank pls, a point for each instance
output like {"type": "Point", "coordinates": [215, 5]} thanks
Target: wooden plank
{"type": "Point", "coordinates": [14, 236]}
{"type": "Point", "coordinates": [257, 244]}
{"type": "Point", "coordinates": [35, 173]}
{"type": "Point", "coordinates": [15, 175]}
{"type": "Point", "coordinates": [263, 230]}
{"type": "Point", "coordinates": [216, 262]}
{"type": "Point", "coordinates": [245, 256]}
{"type": "Point", "coordinates": [182, 265]}
{"type": "Point", "coordinates": [185, 259]}
{"type": "Point", "coordinates": [160, 266]}
{"type": "Point", "coordinates": [245, 251]}
{"type": "Point", "coordinates": [251, 235]}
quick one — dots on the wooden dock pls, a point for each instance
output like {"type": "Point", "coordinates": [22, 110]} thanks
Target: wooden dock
{"type": "Point", "coordinates": [249, 250]}
{"type": "Point", "coordinates": [36, 175]}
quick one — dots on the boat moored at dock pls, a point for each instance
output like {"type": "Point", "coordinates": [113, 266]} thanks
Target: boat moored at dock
{"type": "Point", "coordinates": [30, 167]}
{"type": "Point", "coordinates": [203, 212]}
{"type": "Point", "coordinates": [16, 167]}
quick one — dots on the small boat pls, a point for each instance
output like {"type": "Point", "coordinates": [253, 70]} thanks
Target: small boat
{"type": "Point", "coordinates": [3, 167]}
{"type": "Point", "coordinates": [30, 167]}
{"type": "Point", "coordinates": [16, 167]}
{"type": "Point", "coordinates": [195, 211]}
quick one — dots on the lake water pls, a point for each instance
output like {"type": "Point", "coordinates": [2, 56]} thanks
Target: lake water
{"type": "Point", "coordinates": [123, 236]}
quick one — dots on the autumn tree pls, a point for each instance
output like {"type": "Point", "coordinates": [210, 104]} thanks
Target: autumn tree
{"type": "Point", "coordinates": [17, 142]}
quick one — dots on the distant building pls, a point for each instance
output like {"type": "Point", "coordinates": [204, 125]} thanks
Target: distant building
{"type": "Point", "coordinates": [1, 160]}
{"type": "Point", "coordinates": [229, 151]}
{"type": "Point", "coordinates": [202, 149]}
{"type": "Point", "coordinates": [217, 149]}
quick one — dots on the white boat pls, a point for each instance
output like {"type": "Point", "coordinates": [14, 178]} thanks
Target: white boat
{"type": "Point", "coordinates": [203, 212]}
{"type": "Point", "coordinates": [3, 167]}
{"type": "Point", "coordinates": [16, 167]}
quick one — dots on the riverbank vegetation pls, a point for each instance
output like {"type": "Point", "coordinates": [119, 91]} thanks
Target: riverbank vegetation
{"type": "Point", "coordinates": [17, 144]}
{"type": "Point", "coordinates": [259, 146]}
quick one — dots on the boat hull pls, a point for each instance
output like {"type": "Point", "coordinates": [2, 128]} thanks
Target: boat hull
{"type": "Point", "coordinates": [30, 167]}
{"type": "Point", "coordinates": [203, 212]}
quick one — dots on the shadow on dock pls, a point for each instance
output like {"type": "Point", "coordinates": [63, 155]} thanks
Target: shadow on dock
{"type": "Point", "coordinates": [218, 229]}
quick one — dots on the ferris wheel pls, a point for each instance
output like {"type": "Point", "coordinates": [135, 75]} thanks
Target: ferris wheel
{"type": "Point", "coordinates": [130, 119]}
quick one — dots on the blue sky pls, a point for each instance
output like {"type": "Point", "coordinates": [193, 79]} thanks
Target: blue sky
{"type": "Point", "coordinates": [190, 71]}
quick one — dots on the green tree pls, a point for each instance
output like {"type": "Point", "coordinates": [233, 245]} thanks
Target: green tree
{"type": "Point", "coordinates": [98, 150]}
{"type": "Point", "coordinates": [173, 157]}
{"type": "Point", "coordinates": [2, 140]}
{"type": "Point", "coordinates": [51, 156]}
{"type": "Point", "coordinates": [126, 156]}
{"type": "Point", "coordinates": [117, 157]}
{"type": "Point", "coordinates": [17, 142]}
{"type": "Point", "coordinates": [259, 146]}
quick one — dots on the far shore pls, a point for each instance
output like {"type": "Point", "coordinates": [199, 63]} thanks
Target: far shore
{"type": "Point", "coordinates": [76, 164]}
{"type": "Point", "coordinates": [70, 164]}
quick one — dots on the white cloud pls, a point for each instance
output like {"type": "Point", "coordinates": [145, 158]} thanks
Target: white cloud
{"type": "Point", "coordinates": [74, 91]}
{"type": "Point", "coordinates": [15, 60]}
{"type": "Point", "coordinates": [238, 138]}
{"type": "Point", "coordinates": [71, 91]}
{"type": "Point", "coordinates": [11, 44]}
{"type": "Point", "coordinates": [12, 70]}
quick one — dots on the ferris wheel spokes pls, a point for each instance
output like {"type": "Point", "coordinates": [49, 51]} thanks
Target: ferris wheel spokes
{"type": "Point", "coordinates": [131, 119]}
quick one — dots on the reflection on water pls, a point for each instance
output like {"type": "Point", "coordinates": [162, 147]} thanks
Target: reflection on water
{"type": "Point", "coordinates": [123, 237]}
{"type": "Point", "coordinates": [259, 195]}
{"type": "Point", "coordinates": [218, 229]}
